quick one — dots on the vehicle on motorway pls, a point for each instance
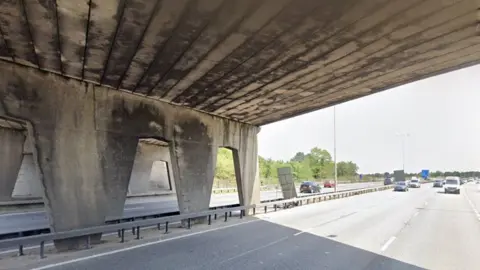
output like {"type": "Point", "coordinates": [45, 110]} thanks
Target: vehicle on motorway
{"type": "Point", "coordinates": [388, 181]}
{"type": "Point", "coordinates": [400, 186]}
{"type": "Point", "coordinates": [414, 183]}
{"type": "Point", "coordinates": [463, 181]}
{"type": "Point", "coordinates": [452, 184]}
{"type": "Point", "coordinates": [329, 184]}
{"type": "Point", "coordinates": [310, 187]}
{"type": "Point", "coordinates": [438, 183]}
{"type": "Point", "coordinates": [471, 179]}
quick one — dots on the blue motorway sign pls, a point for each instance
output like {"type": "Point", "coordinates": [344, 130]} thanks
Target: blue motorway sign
{"type": "Point", "coordinates": [425, 174]}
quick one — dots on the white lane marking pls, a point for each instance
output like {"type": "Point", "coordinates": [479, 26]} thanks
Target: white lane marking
{"type": "Point", "coordinates": [426, 203]}
{"type": "Point", "coordinates": [388, 243]}
{"type": "Point", "coordinates": [51, 244]}
{"type": "Point", "coordinates": [416, 214]}
{"type": "Point", "coordinates": [255, 249]}
{"type": "Point", "coordinates": [304, 231]}
{"type": "Point", "coordinates": [137, 246]}
{"type": "Point", "coordinates": [322, 224]}
{"type": "Point", "coordinates": [472, 205]}
{"type": "Point", "coordinates": [135, 208]}
{"type": "Point", "coordinates": [21, 213]}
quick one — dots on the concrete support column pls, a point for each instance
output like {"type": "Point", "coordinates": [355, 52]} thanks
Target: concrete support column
{"type": "Point", "coordinates": [148, 174]}
{"type": "Point", "coordinates": [193, 162]}
{"type": "Point", "coordinates": [11, 153]}
{"type": "Point", "coordinates": [246, 168]}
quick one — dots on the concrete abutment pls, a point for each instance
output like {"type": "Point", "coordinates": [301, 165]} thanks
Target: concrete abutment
{"type": "Point", "coordinates": [85, 140]}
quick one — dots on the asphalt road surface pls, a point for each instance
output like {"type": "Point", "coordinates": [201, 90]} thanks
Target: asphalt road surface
{"type": "Point", "coordinates": [420, 229]}
{"type": "Point", "coordinates": [25, 221]}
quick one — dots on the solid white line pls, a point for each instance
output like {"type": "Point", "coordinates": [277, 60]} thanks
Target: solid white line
{"type": "Point", "coordinates": [388, 243]}
{"type": "Point", "coordinates": [135, 208]}
{"type": "Point", "coordinates": [20, 213]}
{"type": "Point", "coordinates": [303, 231]}
{"type": "Point", "coordinates": [137, 246]}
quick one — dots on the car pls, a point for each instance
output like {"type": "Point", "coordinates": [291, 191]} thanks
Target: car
{"type": "Point", "coordinates": [414, 183]}
{"type": "Point", "coordinates": [329, 184]}
{"type": "Point", "coordinates": [470, 179]}
{"type": "Point", "coordinates": [400, 186]}
{"type": "Point", "coordinates": [310, 187]}
{"type": "Point", "coordinates": [388, 181]}
{"type": "Point", "coordinates": [452, 185]}
{"type": "Point", "coordinates": [438, 183]}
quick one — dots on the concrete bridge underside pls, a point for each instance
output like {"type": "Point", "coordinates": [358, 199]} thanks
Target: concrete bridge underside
{"type": "Point", "coordinates": [256, 61]}
{"type": "Point", "coordinates": [88, 79]}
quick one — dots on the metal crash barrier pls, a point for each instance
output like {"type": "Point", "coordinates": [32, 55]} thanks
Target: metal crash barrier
{"type": "Point", "coordinates": [136, 226]}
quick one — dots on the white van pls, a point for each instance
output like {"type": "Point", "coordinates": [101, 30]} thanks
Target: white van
{"type": "Point", "coordinates": [452, 184]}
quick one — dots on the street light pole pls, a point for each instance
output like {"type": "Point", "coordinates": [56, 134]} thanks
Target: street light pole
{"type": "Point", "coordinates": [335, 147]}
{"type": "Point", "coordinates": [404, 137]}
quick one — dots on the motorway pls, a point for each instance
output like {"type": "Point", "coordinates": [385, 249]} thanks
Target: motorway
{"type": "Point", "coordinates": [34, 220]}
{"type": "Point", "coordinates": [420, 229]}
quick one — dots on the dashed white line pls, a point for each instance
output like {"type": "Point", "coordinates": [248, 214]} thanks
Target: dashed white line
{"type": "Point", "coordinates": [472, 206]}
{"type": "Point", "coordinates": [388, 243]}
{"type": "Point", "coordinates": [416, 214]}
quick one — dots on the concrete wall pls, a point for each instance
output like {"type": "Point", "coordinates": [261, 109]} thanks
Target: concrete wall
{"type": "Point", "coordinates": [27, 185]}
{"type": "Point", "coordinates": [160, 177]}
{"type": "Point", "coordinates": [11, 153]}
{"type": "Point", "coordinates": [150, 172]}
{"type": "Point", "coordinates": [85, 141]}
{"type": "Point", "coordinates": [285, 178]}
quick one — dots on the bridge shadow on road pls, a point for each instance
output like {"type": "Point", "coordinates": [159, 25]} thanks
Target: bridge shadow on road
{"type": "Point", "coordinates": [257, 244]}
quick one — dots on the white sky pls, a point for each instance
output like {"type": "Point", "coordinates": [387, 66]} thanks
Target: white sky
{"type": "Point", "coordinates": [441, 114]}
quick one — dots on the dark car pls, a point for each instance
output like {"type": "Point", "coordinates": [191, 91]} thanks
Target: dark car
{"type": "Point", "coordinates": [400, 186]}
{"type": "Point", "coordinates": [309, 187]}
{"type": "Point", "coordinates": [388, 181]}
{"type": "Point", "coordinates": [438, 183]}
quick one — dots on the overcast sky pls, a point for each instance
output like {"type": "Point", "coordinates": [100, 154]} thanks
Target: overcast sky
{"type": "Point", "coordinates": [441, 115]}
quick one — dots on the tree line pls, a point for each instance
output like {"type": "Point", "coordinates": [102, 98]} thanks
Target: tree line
{"type": "Point", "coordinates": [315, 165]}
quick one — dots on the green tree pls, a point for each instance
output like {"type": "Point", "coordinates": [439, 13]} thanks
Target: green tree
{"type": "Point", "coordinates": [320, 162]}
{"type": "Point", "coordinates": [299, 157]}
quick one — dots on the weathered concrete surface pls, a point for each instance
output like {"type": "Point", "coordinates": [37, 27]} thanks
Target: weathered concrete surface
{"type": "Point", "coordinates": [86, 138]}
{"type": "Point", "coordinates": [285, 177]}
{"type": "Point", "coordinates": [11, 153]}
{"type": "Point", "coordinates": [147, 174]}
{"type": "Point", "coordinates": [256, 61]}
{"type": "Point", "coordinates": [28, 184]}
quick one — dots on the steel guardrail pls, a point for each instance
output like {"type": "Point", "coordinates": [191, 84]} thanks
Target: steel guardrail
{"type": "Point", "coordinates": [186, 218]}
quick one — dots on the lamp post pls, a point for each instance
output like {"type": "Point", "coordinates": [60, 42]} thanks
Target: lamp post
{"type": "Point", "coordinates": [335, 147]}
{"type": "Point", "coordinates": [404, 136]}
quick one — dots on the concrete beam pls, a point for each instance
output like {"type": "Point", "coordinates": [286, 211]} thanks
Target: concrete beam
{"type": "Point", "coordinates": [11, 152]}
{"type": "Point", "coordinates": [85, 140]}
